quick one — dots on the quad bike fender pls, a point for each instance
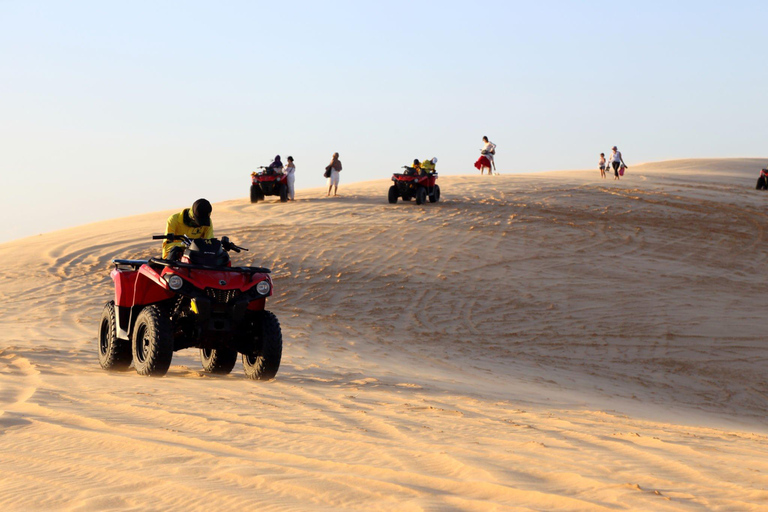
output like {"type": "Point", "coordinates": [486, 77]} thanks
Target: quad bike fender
{"type": "Point", "coordinates": [139, 288]}
{"type": "Point", "coordinates": [133, 290]}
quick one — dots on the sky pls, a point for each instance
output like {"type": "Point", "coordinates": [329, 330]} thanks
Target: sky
{"type": "Point", "coordinates": [109, 109]}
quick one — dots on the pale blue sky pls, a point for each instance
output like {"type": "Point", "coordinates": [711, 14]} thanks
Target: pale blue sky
{"type": "Point", "coordinates": [114, 108]}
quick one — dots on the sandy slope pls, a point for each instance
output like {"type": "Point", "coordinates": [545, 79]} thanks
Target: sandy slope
{"type": "Point", "coordinates": [532, 342]}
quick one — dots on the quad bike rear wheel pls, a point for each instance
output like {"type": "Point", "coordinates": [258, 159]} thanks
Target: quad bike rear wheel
{"type": "Point", "coordinates": [264, 348]}
{"type": "Point", "coordinates": [218, 360]}
{"type": "Point", "coordinates": [152, 342]}
{"type": "Point", "coordinates": [761, 183]}
{"type": "Point", "coordinates": [435, 195]}
{"type": "Point", "coordinates": [421, 195]}
{"type": "Point", "coordinates": [283, 193]}
{"type": "Point", "coordinates": [392, 196]}
{"type": "Point", "coordinates": [114, 353]}
{"type": "Point", "coordinates": [256, 193]}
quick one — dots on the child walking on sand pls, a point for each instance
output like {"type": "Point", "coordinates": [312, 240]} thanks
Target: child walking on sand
{"type": "Point", "coordinates": [601, 163]}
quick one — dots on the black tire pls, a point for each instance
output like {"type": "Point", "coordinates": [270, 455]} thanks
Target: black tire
{"type": "Point", "coordinates": [435, 195]}
{"type": "Point", "coordinates": [256, 194]}
{"type": "Point", "coordinates": [152, 342]}
{"type": "Point", "coordinates": [266, 340]}
{"type": "Point", "coordinates": [218, 360]}
{"type": "Point", "coordinates": [421, 195]}
{"type": "Point", "coordinates": [392, 196]}
{"type": "Point", "coordinates": [761, 184]}
{"type": "Point", "coordinates": [114, 353]}
{"type": "Point", "coordinates": [283, 193]}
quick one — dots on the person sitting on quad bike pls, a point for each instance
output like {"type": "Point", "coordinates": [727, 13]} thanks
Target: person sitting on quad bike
{"type": "Point", "coordinates": [428, 166]}
{"type": "Point", "coordinates": [762, 181]}
{"type": "Point", "coordinates": [276, 167]}
{"type": "Point", "coordinates": [193, 222]}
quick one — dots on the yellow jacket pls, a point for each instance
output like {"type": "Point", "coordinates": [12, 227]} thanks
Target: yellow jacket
{"type": "Point", "coordinates": [183, 223]}
{"type": "Point", "coordinates": [428, 166]}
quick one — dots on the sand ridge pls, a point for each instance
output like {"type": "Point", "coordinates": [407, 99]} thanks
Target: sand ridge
{"type": "Point", "coordinates": [549, 341]}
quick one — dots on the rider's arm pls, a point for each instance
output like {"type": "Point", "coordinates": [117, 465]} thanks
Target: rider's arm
{"type": "Point", "coordinates": [171, 227]}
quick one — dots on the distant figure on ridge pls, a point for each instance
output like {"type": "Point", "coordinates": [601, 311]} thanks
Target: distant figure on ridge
{"type": "Point", "coordinates": [333, 169]}
{"type": "Point", "coordinates": [194, 222]}
{"type": "Point", "coordinates": [762, 180]}
{"type": "Point", "coordinates": [601, 163]}
{"type": "Point", "coordinates": [617, 161]}
{"type": "Point", "coordinates": [486, 159]}
{"type": "Point", "coordinates": [290, 171]}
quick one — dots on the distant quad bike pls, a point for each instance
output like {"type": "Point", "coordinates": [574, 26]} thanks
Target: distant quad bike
{"type": "Point", "coordinates": [762, 181]}
{"type": "Point", "coordinates": [410, 184]}
{"type": "Point", "coordinates": [268, 183]}
{"type": "Point", "coordinates": [200, 301]}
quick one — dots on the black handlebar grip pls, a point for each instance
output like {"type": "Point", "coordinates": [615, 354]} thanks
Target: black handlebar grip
{"type": "Point", "coordinates": [159, 237]}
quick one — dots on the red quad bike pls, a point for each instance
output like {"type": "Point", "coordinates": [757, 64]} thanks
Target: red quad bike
{"type": "Point", "coordinates": [411, 184]}
{"type": "Point", "coordinates": [268, 183]}
{"type": "Point", "coordinates": [199, 301]}
{"type": "Point", "coordinates": [762, 181]}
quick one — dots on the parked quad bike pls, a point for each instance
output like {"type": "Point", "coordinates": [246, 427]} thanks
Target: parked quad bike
{"type": "Point", "coordinates": [412, 184]}
{"type": "Point", "coordinates": [762, 181]}
{"type": "Point", "coordinates": [268, 183]}
{"type": "Point", "coordinates": [199, 301]}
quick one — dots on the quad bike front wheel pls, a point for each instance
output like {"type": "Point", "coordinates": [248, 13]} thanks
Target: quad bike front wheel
{"type": "Point", "coordinates": [435, 195]}
{"type": "Point", "coordinates": [218, 360]}
{"type": "Point", "coordinates": [421, 195]}
{"type": "Point", "coordinates": [264, 348]}
{"type": "Point", "coordinates": [152, 342]}
{"type": "Point", "coordinates": [114, 353]}
{"type": "Point", "coordinates": [392, 196]}
{"type": "Point", "coordinates": [761, 183]}
{"type": "Point", "coordinates": [283, 193]}
{"type": "Point", "coordinates": [256, 194]}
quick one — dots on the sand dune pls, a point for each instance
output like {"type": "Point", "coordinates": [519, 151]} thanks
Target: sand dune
{"type": "Point", "coordinates": [549, 341]}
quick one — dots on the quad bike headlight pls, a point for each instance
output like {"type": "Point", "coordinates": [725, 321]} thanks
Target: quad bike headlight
{"type": "Point", "coordinates": [263, 287]}
{"type": "Point", "coordinates": [175, 282]}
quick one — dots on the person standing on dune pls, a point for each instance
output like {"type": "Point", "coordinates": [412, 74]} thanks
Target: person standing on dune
{"type": "Point", "coordinates": [289, 171]}
{"type": "Point", "coordinates": [486, 157]}
{"type": "Point", "coordinates": [334, 168]}
{"type": "Point", "coordinates": [617, 161]}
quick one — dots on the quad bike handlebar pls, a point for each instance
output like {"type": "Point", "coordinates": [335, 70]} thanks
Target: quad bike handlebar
{"type": "Point", "coordinates": [225, 243]}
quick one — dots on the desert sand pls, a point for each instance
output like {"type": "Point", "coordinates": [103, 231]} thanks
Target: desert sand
{"type": "Point", "coordinates": [547, 341]}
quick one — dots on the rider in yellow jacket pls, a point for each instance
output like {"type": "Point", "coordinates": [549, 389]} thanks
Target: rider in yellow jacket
{"type": "Point", "coordinates": [194, 222]}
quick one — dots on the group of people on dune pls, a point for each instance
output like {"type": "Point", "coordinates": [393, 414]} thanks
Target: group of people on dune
{"type": "Point", "coordinates": [616, 162]}
{"type": "Point", "coordinates": [332, 171]}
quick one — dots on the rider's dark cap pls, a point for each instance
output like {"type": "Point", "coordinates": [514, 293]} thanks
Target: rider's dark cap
{"type": "Point", "coordinates": [201, 210]}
